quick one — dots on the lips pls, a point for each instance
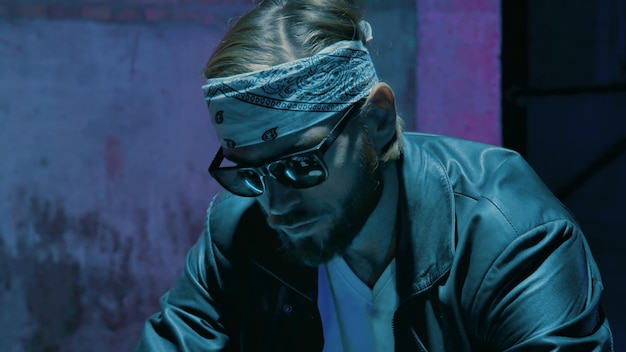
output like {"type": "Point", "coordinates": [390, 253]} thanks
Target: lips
{"type": "Point", "coordinates": [299, 225]}
{"type": "Point", "coordinates": [293, 228]}
{"type": "Point", "coordinates": [283, 221]}
{"type": "Point", "coordinates": [299, 229]}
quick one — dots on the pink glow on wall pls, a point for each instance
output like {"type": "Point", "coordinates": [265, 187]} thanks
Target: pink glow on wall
{"type": "Point", "coordinates": [458, 69]}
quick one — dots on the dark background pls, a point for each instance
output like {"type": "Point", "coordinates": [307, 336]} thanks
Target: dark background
{"type": "Point", "coordinates": [564, 109]}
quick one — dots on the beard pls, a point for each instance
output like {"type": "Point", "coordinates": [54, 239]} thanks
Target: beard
{"type": "Point", "coordinates": [363, 196]}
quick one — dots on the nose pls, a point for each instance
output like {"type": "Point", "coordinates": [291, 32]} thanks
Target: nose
{"type": "Point", "coordinates": [277, 199]}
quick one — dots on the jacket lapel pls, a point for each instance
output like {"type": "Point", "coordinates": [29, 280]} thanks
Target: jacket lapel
{"type": "Point", "coordinates": [427, 222]}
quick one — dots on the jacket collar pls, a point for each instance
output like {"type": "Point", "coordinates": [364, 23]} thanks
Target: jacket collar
{"type": "Point", "coordinates": [427, 236]}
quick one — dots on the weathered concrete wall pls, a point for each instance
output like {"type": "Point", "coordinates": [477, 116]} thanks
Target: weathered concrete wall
{"type": "Point", "coordinates": [105, 144]}
{"type": "Point", "coordinates": [103, 184]}
{"type": "Point", "coordinates": [393, 51]}
{"type": "Point", "coordinates": [458, 68]}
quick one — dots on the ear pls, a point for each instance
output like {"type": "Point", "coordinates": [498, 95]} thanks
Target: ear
{"type": "Point", "coordinates": [381, 115]}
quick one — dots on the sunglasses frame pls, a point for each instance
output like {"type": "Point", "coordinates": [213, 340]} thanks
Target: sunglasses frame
{"type": "Point", "coordinates": [264, 170]}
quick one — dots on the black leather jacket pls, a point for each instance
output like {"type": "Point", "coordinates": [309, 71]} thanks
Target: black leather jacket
{"type": "Point", "coordinates": [487, 260]}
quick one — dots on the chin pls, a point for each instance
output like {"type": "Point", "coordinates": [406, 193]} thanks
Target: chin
{"type": "Point", "coordinates": [316, 249]}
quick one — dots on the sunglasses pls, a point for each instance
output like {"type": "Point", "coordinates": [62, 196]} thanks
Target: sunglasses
{"type": "Point", "coordinates": [303, 169]}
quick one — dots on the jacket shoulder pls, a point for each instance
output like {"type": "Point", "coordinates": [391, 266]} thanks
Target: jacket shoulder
{"type": "Point", "coordinates": [496, 177]}
{"type": "Point", "coordinates": [229, 218]}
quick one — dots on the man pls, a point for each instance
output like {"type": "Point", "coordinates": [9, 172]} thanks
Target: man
{"type": "Point", "coordinates": [338, 232]}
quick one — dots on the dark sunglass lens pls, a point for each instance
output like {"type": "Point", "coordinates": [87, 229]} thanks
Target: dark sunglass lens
{"type": "Point", "coordinates": [252, 180]}
{"type": "Point", "coordinates": [243, 182]}
{"type": "Point", "coordinates": [299, 171]}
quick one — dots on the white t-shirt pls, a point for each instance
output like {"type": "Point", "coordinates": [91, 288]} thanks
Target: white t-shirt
{"type": "Point", "coordinates": [355, 317]}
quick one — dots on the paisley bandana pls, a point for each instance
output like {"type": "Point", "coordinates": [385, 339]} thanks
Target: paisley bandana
{"type": "Point", "coordinates": [260, 106]}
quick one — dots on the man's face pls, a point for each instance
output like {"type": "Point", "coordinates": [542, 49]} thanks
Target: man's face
{"type": "Point", "coordinates": [333, 216]}
{"type": "Point", "coordinates": [317, 223]}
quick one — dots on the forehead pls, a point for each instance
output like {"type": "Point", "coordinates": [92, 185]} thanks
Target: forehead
{"type": "Point", "coordinates": [267, 151]}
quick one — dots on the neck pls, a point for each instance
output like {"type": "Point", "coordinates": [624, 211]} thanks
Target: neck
{"type": "Point", "coordinates": [374, 247]}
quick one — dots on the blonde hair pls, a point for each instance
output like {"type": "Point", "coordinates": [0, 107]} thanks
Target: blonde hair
{"type": "Point", "coordinates": [279, 31]}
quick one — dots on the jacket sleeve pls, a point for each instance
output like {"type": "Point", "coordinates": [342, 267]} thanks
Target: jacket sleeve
{"type": "Point", "coordinates": [191, 315]}
{"type": "Point", "coordinates": [542, 293]}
